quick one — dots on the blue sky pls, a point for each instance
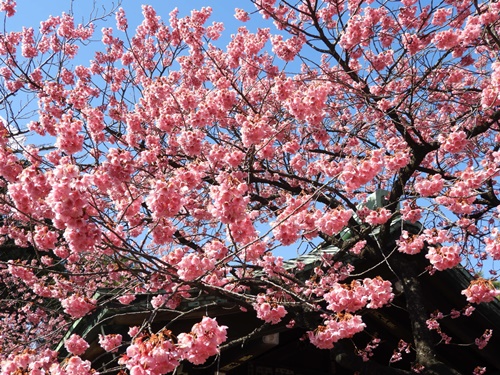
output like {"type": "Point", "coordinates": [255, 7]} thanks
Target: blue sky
{"type": "Point", "coordinates": [30, 13]}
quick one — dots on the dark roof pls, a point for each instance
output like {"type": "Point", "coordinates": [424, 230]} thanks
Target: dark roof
{"type": "Point", "coordinates": [442, 291]}
{"type": "Point", "coordinates": [276, 347]}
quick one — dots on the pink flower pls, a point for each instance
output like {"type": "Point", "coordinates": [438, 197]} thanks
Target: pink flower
{"type": "Point", "coordinates": [432, 324]}
{"type": "Point", "coordinates": [164, 200]}
{"type": "Point", "coordinates": [193, 266]}
{"type": "Point", "coordinates": [333, 221]}
{"type": "Point", "coordinates": [287, 232]}
{"type": "Point", "coordinates": [9, 7]}
{"type": "Point", "coordinates": [158, 301]}
{"type": "Point", "coordinates": [126, 299]}
{"type": "Point", "coordinates": [430, 186]}
{"type": "Point", "coordinates": [444, 257]}
{"type": "Point", "coordinates": [372, 293]}
{"type": "Point", "coordinates": [34, 362]}
{"type": "Point", "coordinates": [229, 199]}
{"type": "Point", "coordinates": [469, 310]}
{"type": "Point", "coordinates": [348, 298]}
{"type": "Point", "coordinates": [133, 331]}
{"type": "Point", "coordinates": [324, 337]}
{"type": "Point", "coordinates": [110, 343]}
{"type": "Point", "coordinates": [435, 236]}
{"type": "Point", "coordinates": [121, 20]}
{"type": "Point", "coordinates": [454, 142]}
{"type": "Point", "coordinates": [367, 352]}
{"type": "Point", "coordinates": [480, 290]}
{"type": "Point", "coordinates": [493, 245]}
{"type": "Point", "coordinates": [268, 310]}
{"type": "Point", "coordinates": [191, 141]}
{"type": "Point", "coordinates": [153, 354]}
{"type": "Point", "coordinates": [76, 345]}
{"type": "Point", "coordinates": [356, 174]}
{"type": "Point", "coordinates": [28, 43]}
{"type": "Point", "coordinates": [413, 43]}
{"type": "Point", "coordinates": [287, 50]}
{"type": "Point", "coordinates": [410, 244]}
{"type": "Point", "coordinates": [446, 39]}
{"type": "Point", "coordinates": [24, 273]}
{"type": "Point", "coordinates": [398, 354]}
{"type": "Point", "coordinates": [78, 306]}
{"type": "Point", "coordinates": [411, 212]}
{"type": "Point", "coordinates": [378, 217]}
{"type": "Point", "coordinates": [77, 366]}
{"type": "Point", "coordinates": [482, 341]}
{"type": "Point", "coordinates": [490, 97]}
{"type": "Point", "coordinates": [379, 292]}
{"type": "Point", "coordinates": [241, 15]}
{"type": "Point", "coordinates": [440, 16]}
{"type": "Point", "coordinates": [45, 239]}
{"type": "Point", "coordinates": [358, 247]}
{"type": "Point", "coordinates": [203, 341]}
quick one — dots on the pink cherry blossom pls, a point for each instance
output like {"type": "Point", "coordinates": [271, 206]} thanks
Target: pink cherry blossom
{"type": "Point", "coordinates": [76, 345]}
{"type": "Point", "coordinates": [333, 221]}
{"type": "Point", "coordinates": [440, 16]}
{"type": "Point", "coordinates": [34, 362]}
{"type": "Point", "coordinates": [325, 336]}
{"type": "Point", "coordinates": [269, 310]}
{"type": "Point", "coordinates": [9, 7]}
{"type": "Point", "coordinates": [444, 257]}
{"type": "Point", "coordinates": [455, 142]}
{"type": "Point", "coordinates": [192, 266]}
{"type": "Point", "coordinates": [110, 343]}
{"type": "Point", "coordinates": [379, 291]}
{"type": "Point", "coordinates": [241, 15]}
{"type": "Point", "coordinates": [121, 20]}
{"type": "Point", "coordinates": [78, 306]}
{"type": "Point", "coordinates": [493, 245]}
{"type": "Point", "coordinates": [480, 290]}
{"type": "Point", "coordinates": [482, 341]}
{"type": "Point", "coordinates": [446, 39]}
{"type": "Point", "coordinates": [126, 299]}
{"type": "Point", "coordinates": [429, 187]}
{"type": "Point", "coordinates": [76, 366]}
{"type": "Point", "coordinates": [348, 298]}
{"type": "Point", "coordinates": [410, 244]}
{"type": "Point", "coordinates": [378, 217]}
{"type": "Point", "coordinates": [157, 166]}
{"type": "Point", "coordinates": [155, 355]}
{"type": "Point", "coordinates": [209, 335]}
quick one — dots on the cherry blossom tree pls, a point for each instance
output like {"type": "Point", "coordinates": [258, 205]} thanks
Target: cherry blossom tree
{"type": "Point", "coordinates": [157, 161]}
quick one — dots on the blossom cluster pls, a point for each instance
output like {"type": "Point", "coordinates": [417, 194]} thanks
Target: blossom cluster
{"type": "Point", "coordinates": [76, 345]}
{"type": "Point", "coordinates": [110, 343]}
{"type": "Point", "coordinates": [410, 244]}
{"type": "Point", "coordinates": [78, 306]}
{"type": "Point", "coordinates": [268, 309]}
{"type": "Point", "coordinates": [482, 341]}
{"type": "Point", "coordinates": [444, 257]}
{"type": "Point", "coordinates": [481, 290]}
{"type": "Point", "coordinates": [372, 293]}
{"type": "Point", "coordinates": [45, 362]}
{"type": "Point", "coordinates": [158, 354]}
{"type": "Point", "coordinates": [168, 164]}
{"type": "Point", "coordinates": [493, 245]}
{"type": "Point", "coordinates": [333, 330]}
